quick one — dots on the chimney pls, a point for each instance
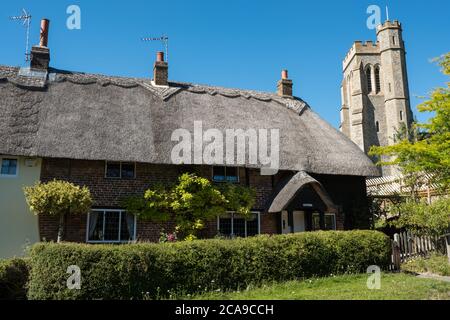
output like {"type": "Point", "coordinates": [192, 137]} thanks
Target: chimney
{"type": "Point", "coordinates": [40, 55]}
{"type": "Point", "coordinates": [284, 86]}
{"type": "Point", "coordinates": [160, 70]}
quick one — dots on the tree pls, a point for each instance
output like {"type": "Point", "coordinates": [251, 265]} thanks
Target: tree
{"type": "Point", "coordinates": [58, 198]}
{"type": "Point", "coordinates": [425, 150]}
{"type": "Point", "coordinates": [424, 219]}
{"type": "Point", "coordinates": [191, 202]}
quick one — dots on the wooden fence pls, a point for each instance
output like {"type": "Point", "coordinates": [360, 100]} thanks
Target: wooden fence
{"type": "Point", "coordinates": [406, 246]}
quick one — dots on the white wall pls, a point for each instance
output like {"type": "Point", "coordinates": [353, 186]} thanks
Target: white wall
{"type": "Point", "coordinates": [18, 226]}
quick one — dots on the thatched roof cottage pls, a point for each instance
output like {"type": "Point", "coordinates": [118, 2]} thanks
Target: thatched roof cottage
{"type": "Point", "coordinates": [115, 135]}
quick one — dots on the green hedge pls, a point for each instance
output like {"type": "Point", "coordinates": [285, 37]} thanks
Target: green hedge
{"type": "Point", "coordinates": [154, 270]}
{"type": "Point", "coordinates": [13, 279]}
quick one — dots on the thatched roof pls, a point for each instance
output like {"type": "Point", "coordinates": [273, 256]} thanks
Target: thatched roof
{"type": "Point", "coordinates": [291, 189]}
{"type": "Point", "coordinates": [94, 117]}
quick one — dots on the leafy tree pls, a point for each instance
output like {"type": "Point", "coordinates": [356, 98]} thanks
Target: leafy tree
{"type": "Point", "coordinates": [58, 198]}
{"type": "Point", "coordinates": [424, 219]}
{"type": "Point", "coordinates": [426, 149]}
{"type": "Point", "coordinates": [191, 202]}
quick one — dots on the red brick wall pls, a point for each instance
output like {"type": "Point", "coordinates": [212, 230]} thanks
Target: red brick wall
{"type": "Point", "coordinates": [107, 193]}
{"type": "Point", "coordinates": [269, 223]}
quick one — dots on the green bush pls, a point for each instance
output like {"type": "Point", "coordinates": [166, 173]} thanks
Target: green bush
{"type": "Point", "coordinates": [13, 279]}
{"type": "Point", "coordinates": [135, 271]}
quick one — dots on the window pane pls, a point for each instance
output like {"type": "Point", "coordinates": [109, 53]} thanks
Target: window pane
{"type": "Point", "coordinates": [329, 222]}
{"type": "Point", "coordinates": [239, 227]}
{"type": "Point", "coordinates": [225, 226]}
{"type": "Point", "coordinates": [252, 226]}
{"type": "Point", "coordinates": [95, 227]}
{"type": "Point", "coordinates": [128, 170]}
{"type": "Point", "coordinates": [9, 167]}
{"type": "Point", "coordinates": [232, 174]}
{"type": "Point", "coordinates": [219, 174]}
{"type": "Point", "coordinates": [113, 170]}
{"type": "Point", "coordinates": [111, 226]}
{"type": "Point", "coordinates": [315, 221]}
{"type": "Point", "coordinates": [127, 227]}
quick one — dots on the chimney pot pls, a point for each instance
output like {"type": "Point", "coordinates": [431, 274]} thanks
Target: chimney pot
{"type": "Point", "coordinates": [160, 56]}
{"type": "Point", "coordinates": [44, 32]}
{"type": "Point", "coordinates": [284, 74]}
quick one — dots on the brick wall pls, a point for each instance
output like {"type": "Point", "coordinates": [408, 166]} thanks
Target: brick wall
{"type": "Point", "coordinates": [107, 194]}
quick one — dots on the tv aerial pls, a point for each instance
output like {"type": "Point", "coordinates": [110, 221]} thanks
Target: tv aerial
{"type": "Point", "coordinates": [164, 40]}
{"type": "Point", "coordinates": [26, 21]}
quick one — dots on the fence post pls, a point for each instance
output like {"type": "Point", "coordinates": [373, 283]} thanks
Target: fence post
{"type": "Point", "coordinates": [396, 252]}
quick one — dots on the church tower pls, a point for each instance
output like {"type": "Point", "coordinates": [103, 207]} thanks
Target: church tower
{"type": "Point", "coordinates": [375, 93]}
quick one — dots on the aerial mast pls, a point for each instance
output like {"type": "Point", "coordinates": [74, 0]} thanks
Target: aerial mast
{"type": "Point", "coordinates": [164, 40]}
{"type": "Point", "coordinates": [26, 18]}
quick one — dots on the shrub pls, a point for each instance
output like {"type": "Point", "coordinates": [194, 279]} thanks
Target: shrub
{"type": "Point", "coordinates": [133, 271]}
{"type": "Point", "coordinates": [13, 279]}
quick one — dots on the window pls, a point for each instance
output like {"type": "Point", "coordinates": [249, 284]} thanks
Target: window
{"type": "Point", "coordinates": [401, 115]}
{"type": "Point", "coordinates": [377, 80]}
{"type": "Point", "coordinates": [390, 89]}
{"type": "Point", "coordinates": [110, 226]}
{"type": "Point", "coordinates": [315, 221]}
{"type": "Point", "coordinates": [329, 221]}
{"type": "Point", "coordinates": [9, 167]}
{"type": "Point", "coordinates": [120, 170]}
{"type": "Point", "coordinates": [393, 40]}
{"type": "Point", "coordinates": [377, 125]}
{"type": "Point", "coordinates": [226, 174]}
{"type": "Point", "coordinates": [235, 226]}
{"type": "Point", "coordinates": [369, 80]}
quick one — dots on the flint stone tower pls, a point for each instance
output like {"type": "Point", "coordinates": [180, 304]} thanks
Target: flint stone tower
{"type": "Point", "coordinates": [375, 93]}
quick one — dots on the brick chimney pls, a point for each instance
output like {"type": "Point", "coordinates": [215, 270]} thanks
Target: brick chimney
{"type": "Point", "coordinates": [284, 86]}
{"type": "Point", "coordinates": [40, 55]}
{"type": "Point", "coordinates": [160, 70]}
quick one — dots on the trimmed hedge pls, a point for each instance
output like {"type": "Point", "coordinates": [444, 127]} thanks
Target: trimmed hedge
{"type": "Point", "coordinates": [13, 279]}
{"type": "Point", "coordinates": [136, 271]}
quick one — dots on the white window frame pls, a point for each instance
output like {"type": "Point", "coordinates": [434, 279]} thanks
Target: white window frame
{"type": "Point", "coordinates": [120, 226]}
{"type": "Point", "coordinates": [226, 181]}
{"type": "Point", "coordinates": [232, 214]}
{"type": "Point", "coordinates": [17, 168]}
{"type": "Point", "coordinates": [120, 163]}
{"type": "Point", "coordinates": [327, 214]}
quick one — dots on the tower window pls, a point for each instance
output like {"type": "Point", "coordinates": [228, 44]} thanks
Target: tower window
{"type": "Point", "coordinates": [377, 124]}
{"type": "Point", "coordinates": [377, 80]}
{"type": "Point", "coordinates": [369, 80]}
{"type": "Point", "coordinates": [393, 40]}
{"type": "Point", "coordinates": [401, 115]}
{"type": "Point", "coordinates": [390, 89]}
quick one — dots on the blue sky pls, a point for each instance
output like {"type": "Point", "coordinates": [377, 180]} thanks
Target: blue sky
{"type": "Point", "coordinates": [242, 44]}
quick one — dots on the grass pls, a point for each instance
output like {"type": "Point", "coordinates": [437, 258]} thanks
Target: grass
{"type": "Point", "coordinates": [394, 286]}
{"type": "Point", "coordinates": [437, 264]}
